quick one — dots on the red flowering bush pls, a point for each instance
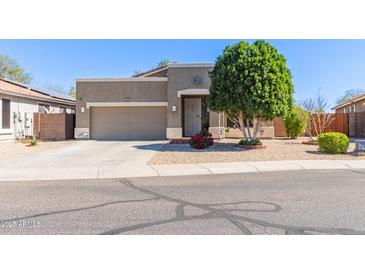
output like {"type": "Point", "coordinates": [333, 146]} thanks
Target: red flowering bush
{"type": "Point", "coordinates": [201, 140]}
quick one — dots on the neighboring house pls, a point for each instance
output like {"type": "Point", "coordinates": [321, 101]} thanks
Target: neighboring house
{"type": "Point", "coordinates": [19, 101]}
{"type": "Point", "coordinates": [355, 104]}
{"type": "Point", "coordinates": [167, 102]}
{"type": "Point", "coordinates": [355, 107]}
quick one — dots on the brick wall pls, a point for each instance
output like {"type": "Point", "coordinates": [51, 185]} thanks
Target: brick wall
{"type": "Point", "coordinates": [53, 126]}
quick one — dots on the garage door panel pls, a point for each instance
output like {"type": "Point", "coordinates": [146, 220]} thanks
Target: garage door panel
{"type": "Point", "coordinates": [128, 123]}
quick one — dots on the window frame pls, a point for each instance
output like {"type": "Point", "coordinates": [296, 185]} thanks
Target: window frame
{"type": "Point", "coordinates": [3, 117]}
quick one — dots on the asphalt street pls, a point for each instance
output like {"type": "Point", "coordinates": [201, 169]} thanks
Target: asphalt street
{"type": "Point", "coordinates": [285, 202]}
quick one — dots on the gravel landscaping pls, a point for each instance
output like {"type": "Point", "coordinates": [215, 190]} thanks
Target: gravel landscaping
{"type": "Point", "coordinates": [226, 151]}
{"type": "Point", "coordinates": [13, 149]}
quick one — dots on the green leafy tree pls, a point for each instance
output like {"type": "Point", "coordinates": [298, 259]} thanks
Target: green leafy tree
{"type": "Point", "coordinates": [251, 82]}
{"type": "Point", "coordinates": [296, 122]}
{"type": "Point", "coordinates": [10, 69]}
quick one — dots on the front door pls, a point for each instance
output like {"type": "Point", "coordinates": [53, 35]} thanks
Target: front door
{"type": "Point", "coordinates": [192, 116]}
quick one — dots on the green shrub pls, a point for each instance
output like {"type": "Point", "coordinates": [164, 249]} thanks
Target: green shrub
{"type": "Point", "coordinates": [33, 142]}
{"type": "Point", "coordinates": [249, 142]}
{"type": "Point", "coordinates": [296, 122]}
{"type": "Point", "coordinates": [333, 142]}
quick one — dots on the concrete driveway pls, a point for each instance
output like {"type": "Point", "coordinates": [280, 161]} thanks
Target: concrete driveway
{"type": "Point", "coordinates": [84, 160]}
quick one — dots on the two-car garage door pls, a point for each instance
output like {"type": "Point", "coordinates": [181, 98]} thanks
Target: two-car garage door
{"type": "Point", "coordinates": [128, 123]}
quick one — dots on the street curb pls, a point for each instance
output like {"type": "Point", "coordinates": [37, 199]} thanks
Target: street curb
{"type": "Point", "coordinates": [131, 171]}
{"type": "Point", "coordinates": [256, 166]}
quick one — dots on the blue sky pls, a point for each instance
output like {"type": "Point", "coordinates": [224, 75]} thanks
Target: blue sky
{"type": "Point", "coordinates": [334, 65]}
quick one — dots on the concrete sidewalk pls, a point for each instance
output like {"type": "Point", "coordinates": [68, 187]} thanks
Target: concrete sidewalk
{"type": "Point", "coordinates": [259, 166]}
{"type": "Point", "coordinates": [134, 169]}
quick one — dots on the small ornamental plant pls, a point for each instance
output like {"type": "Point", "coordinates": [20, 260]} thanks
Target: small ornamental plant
{"type": "Point", "coordinates": [201, 140]}
{"type": "Point", "coordinates": [250, 144]}
{"type": "Point", "coordinates": [33, 142]}
{"type": "Point", "coordinates": [296, 122]}
{"type": "Point", "coordinates": [333, 142]}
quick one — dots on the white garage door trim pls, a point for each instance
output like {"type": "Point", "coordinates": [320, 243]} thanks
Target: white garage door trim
{"type": "Point", "coordinates": [126, 104]}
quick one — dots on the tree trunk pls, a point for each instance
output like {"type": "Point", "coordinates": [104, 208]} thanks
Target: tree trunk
{"type": "Point", "coordinates": [242, 126]}
{"type": "Point", "coordinates": [257, 126]}
{"type": "Point", "coordinates": [239, 118]}
{"type": "Point", "coordinates": [248, 129]}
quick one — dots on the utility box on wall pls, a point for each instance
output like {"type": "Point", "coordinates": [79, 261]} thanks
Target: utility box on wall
{"type": "Point", "coordinates": [53, 126]}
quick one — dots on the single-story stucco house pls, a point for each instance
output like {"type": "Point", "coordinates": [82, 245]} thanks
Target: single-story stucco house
{"type": "Point", "coordinates": [167, 102]}
{"type": "Point", "coordinates": [19, 101]}
{"type": "Point", "coordinates": [355, 104]}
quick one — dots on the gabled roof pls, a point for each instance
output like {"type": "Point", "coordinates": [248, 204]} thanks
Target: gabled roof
{"type": "Point", "coordinates": [350, 101]}
{"type": "Point", "coordinates": [23, 90]}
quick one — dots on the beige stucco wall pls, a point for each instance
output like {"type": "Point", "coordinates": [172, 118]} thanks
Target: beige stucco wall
{"type": "Point", "coordinates": [181, 78]}
{"type": "Point", "coordinates": [216, 128]}
{"type": "Point", "coordinates": [236, 133]}
{"type": "Point", "coordinates": [116, 91]}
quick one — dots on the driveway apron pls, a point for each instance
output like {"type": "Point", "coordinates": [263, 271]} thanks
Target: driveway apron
{"type": "Point", "coordinates": [84, 160]}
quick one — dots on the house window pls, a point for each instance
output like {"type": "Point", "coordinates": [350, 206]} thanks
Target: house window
{"type": "Point", "coordinates": [5, 113]}
{"type": "Point", "coordinates": [42, 108]}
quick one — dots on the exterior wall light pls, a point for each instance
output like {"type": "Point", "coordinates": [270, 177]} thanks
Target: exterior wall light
{"type": "Point", "coordinates": [173, 108]}
{"type": "Point", "coordinates": [82, 109]}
